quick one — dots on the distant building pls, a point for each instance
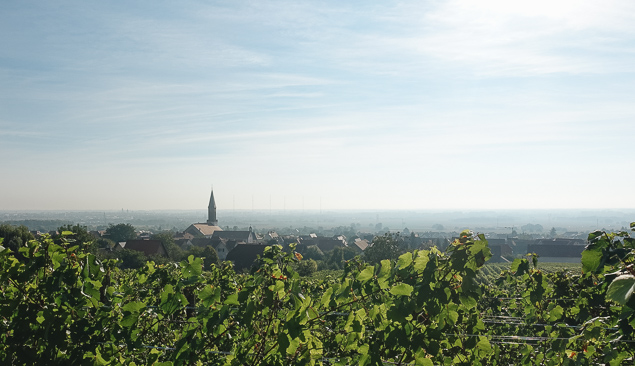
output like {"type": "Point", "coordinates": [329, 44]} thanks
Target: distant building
{"type": "Point", "coordinates": [243, 256]}
{"type": "Point", "coordinates": [360, 244]}
{"type": "Point", "coordinates": [271, 237]}
{"type": "Point", "coordinates": [519, 246]}
{"type": "Point", "coordinates": [247, 237]}
{"type": "Point", "coordinates": [206, 229]}
{"type": "Point", "coordinates": [558, 250]}
{"type": "Point", "coordinates": [326, 244]}
{"type": "Point", "coordinates": [225, 242]}
{"type": "Point", "coordinates": [560, 241]}
{"type": "Point", "coordinates": [147, 247]}
{"type": "Point", "coordinates": [501, 251]}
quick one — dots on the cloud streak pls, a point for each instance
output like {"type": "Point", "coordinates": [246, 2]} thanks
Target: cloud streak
{"type": "Point", "coordinates": [318, 99]}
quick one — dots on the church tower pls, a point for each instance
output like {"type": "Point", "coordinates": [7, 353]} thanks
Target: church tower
{"type": "Point", "coordinates": [211, 211]}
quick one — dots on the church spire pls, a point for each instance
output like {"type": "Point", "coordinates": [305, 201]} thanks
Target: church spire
{"type": "Point", "coordinates": [211, 211]}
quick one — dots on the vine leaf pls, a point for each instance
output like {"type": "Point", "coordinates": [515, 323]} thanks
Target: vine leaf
{"type": "Point", "coordinates": [591, 259]}
{"type": "Point", "coordinates": [404, 260]}
{"type": "Point", "coordinates": [484, 345]}
{"type": "Point", "coordinates": [421, 359]}
{"type": "Point", "coordinates": [556, 313]}
{"type": "Point", "coordinates": [366, 274]}
{"type": "Point", "coordinates": [621, 289]}
{"type": "Point", "coordinates": [192, 268]}
{"type": "Point", "coordinates": [402, 289]}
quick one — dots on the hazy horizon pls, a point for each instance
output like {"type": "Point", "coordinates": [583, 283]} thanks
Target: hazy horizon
{"type": "Point", "coordinates": [292, 105]}
{"type": "Point", "coordinates": [366, 220]}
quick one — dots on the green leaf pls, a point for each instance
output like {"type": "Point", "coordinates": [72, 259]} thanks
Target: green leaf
{"type": "Point", "coordinates": [209, 295]}
{"type": "Point", "coordinates": [134, 306]}
{"type": "Point", "coordinates": [591, 259]}
{"type": "Point", "coordinates": [453, 316]}
{"type": "Point", "coordinates": [97, 359]}
{"type": "Point", "coordinates": [366, 274]}
{"type": "Point", "coordinates": [402, 289]}
{"type": "Point", "coordinates": [404, 260]}
{"type": "Point", "coordinates": [326, 298]}
{"type": "Point", "coordinates": [421, 359]}
{"type": "Point", "coordinates": [384, 274]}
{"type": "Point", "coordinates": [232, 300]}
{"type": "Point", "coordinates": [484, 345]}
{"type": "Point", "coordinates": [621, 289]}
{"type": "Point", "coordinates": [193, 267]}
{"type": "Point", "coordinates": [467, 301]}
{"type": "Point", "coordinates": [594, 235]}
{"type": "Point", "coordinates": [293, 345]}
{"type": "Point", "coordinates": [129, 320]}
{"type": "Point", "coordinates": [422, 260]}
{"type": "Point", "coordinates": [556, 313]}
{"type": "Point", "coordinates": [520, 266]}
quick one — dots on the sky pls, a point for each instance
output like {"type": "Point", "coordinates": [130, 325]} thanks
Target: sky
{"type": "Point", "coordinates": [459, 104]}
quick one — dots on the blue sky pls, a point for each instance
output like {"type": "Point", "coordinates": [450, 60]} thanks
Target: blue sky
{"type": "Point", "coordinates": [301, 104]}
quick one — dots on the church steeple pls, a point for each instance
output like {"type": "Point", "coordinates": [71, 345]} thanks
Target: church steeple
{"type": "Point", "coordinates": [211, 211]}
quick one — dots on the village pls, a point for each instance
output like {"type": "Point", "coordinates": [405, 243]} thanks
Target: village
{"type": "Point", "coordinates": [242, 247]}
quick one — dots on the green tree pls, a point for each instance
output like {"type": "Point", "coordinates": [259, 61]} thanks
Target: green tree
{"type": "Point", "coordinates": [167, 239]}
{"type": "Point", "coordinates": [104, 243]}
{"type": "Point", "coordinates": [531, 228]}
{"type": "Point", "coordinates": [210, 257]}
{"type": "Point", "coordinates": [306, 267]}
{"type": "Point", "coordinates": [336, 257]}
{"type": "Point", "coordinates": [383, 247]}
{"type": "Point", "coordinates": [553, 232]}
{"type": "Point", "coordinates": [80, 236]}
{"type": "Point", "coordinates": [313, 252]}
{"type": "Point", "coordinates": [131, 258]}
{"type": "Point", "coordinates": [15, 236]}
{"type": "Point", "coordinates": [121, 232]}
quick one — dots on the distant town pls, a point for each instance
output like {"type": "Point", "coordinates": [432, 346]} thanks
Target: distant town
{"type": "Point", "coordinates": [326, 237]}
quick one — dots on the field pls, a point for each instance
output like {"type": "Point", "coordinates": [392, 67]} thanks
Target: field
{"type": "Point", "coordinates": [490, 272]}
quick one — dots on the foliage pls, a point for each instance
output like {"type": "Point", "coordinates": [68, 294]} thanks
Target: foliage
{"type": "Point", "coordinates": [566, 317]}
{"type": "Point", "coordinates": [121, 232]}
{"type": "Point", "coordinates": [306, 267]}
{"type": "Point", "coordinates": [51, 303]}
{"type": "Point", "coordinates": [552, 232]}
{"type": "Point", "coordinates": [383, 247]}
{"type": "Point", "coordinates": [313, 252]}
{"type": "Point", "coordinates": [77, 235]}
{"type": "Point", "coordinates": [131, 259]}
{"type": "Point", "coordinates": [336, 258]}
{"type": "Point", "coordinates": [62, 305]}
{"type": "Point", "coordinates": [167, 239]}
{"type": "Point", "coordinates": [104, 243]}
{"type": "Point", "coordinates": [14, 237]}
{"type": "Point", "coordinates": [533, 228]}
{"type": "Point", "coordinates": [209, 255]}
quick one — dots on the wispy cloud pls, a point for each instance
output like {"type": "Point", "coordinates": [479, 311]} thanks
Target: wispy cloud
{"type": "Point", "coordinates": [307, 91]}
{"type": "Point", "coordinates": [513, 38]}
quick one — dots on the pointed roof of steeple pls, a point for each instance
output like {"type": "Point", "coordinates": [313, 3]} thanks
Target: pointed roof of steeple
{"type": "Point", "coordinates": [212, 203]}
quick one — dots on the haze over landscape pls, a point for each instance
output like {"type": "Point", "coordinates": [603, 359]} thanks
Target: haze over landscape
{"type": "Point", "coordinates": [305, 105]}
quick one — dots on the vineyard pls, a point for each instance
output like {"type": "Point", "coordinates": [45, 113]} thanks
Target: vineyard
{"type": "Point", "coordinates": [491, 272]}
{"type": "Point", "coordinates": [61, 305]}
